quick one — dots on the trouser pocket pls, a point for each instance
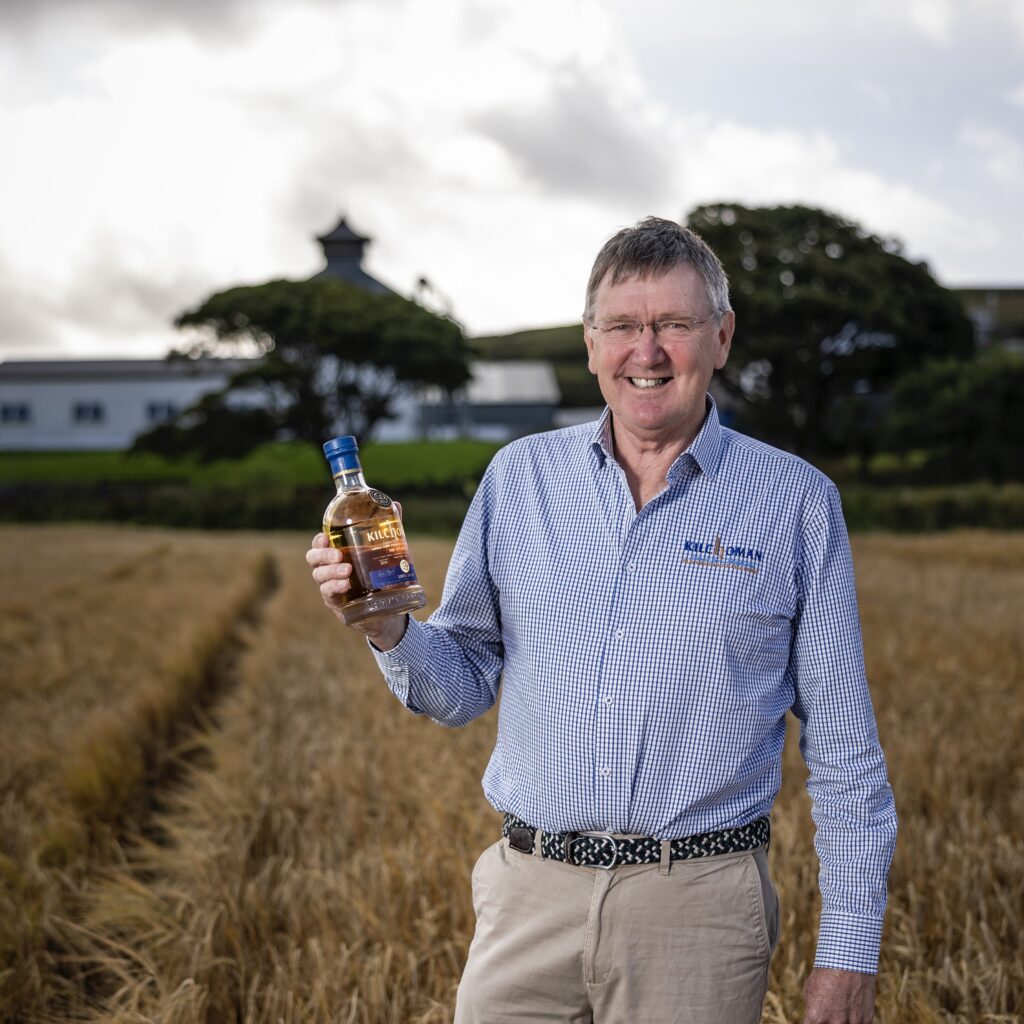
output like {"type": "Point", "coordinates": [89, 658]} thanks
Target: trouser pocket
{"type": "Point", "coordinates": [766, 899]}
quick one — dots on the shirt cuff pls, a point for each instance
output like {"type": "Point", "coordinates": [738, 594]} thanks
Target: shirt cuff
{"type": "Point", "coordinates": [409, 653]}
{"type": "Point", "coordinates": [848, 942]}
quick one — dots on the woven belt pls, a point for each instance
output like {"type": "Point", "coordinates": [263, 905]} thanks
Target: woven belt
{"type": "Point", "coordinates": [595, 850]}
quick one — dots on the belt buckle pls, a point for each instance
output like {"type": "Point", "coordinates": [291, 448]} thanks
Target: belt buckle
{"type": "Point", "coordinates": [575, 837]}
{"type": "Point", "coordinates": [521, 839]}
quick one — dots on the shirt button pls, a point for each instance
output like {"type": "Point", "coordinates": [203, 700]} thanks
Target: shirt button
{"type": "Point", "coordinates": [619, 634]}
{"type": "Point", "coordinates": [606, 772]}
{"type": "Point", "coordinates": [631, 567]}
{"type": "Point", "coordinates": [608, 701]}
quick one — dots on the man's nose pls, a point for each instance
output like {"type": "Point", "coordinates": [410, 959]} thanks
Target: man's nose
{"type": "Point", "coordinates": [648, 345]}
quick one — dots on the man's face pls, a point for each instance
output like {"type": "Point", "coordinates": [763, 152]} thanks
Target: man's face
{"type": "Point", "coordinates": [673, 407]}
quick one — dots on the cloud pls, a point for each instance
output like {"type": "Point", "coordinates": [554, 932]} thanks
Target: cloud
{"type": "Point", "coordinates": [745, 164]}
{"type": "Point", "coordinates": [581, 139]}
{"type": "Point", "coordinates": [491, 146]}
{"type": "Point", "coordinates": [26, 319]}
{"type": "Point", "coordinates": [219, 18]}
{"type": "Point", "coordinates": [933, 18]}
{"type": "Point", "coordinates": [1016, 96]}
{"type": "Point", "coordinates": [947, 21]}
{"type": "Point", "coordinates": [114, 296]}
{"type": "Point", "coordinates": [1003, 153]}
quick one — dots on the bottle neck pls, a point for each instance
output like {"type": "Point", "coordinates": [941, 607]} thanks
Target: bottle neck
{"type": "Point", "coordinates": [350, 480]}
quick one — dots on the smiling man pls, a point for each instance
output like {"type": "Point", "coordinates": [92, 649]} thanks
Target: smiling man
{"type": "Point", "coordinates": [652, 593]}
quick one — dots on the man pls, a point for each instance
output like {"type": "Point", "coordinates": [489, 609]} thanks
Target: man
{"type": "Point", "coordinates": [655, 592]}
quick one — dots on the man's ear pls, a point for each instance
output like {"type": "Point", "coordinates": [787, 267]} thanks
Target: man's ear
{"type": "Point", "coordinates": [724, 339]}
{"type": "Point", "coordinates": [588, 340]}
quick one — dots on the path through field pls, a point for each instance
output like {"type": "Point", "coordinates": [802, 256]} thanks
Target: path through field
{"type": "Point", "coordinates": [214, 811]}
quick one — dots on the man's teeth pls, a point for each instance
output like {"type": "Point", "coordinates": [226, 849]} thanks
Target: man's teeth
{"type": "Point", "coordinates": [647, 382]}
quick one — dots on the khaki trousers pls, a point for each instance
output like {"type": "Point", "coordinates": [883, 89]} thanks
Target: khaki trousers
{"type": "Point", "coordinates": [689, 943]}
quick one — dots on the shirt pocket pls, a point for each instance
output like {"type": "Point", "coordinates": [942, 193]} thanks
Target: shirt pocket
{"type": "Point", "coordinates": [747, 616]}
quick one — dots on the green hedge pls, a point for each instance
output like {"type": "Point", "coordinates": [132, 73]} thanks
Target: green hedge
{"type": "Point", "coordinates": [415, 464]}
{"type": "Point", "coordinates": [440, 510]}
{"type": "Point", "coordinates": [924, 509]}
{"type": "Point", "coordinates": [279, 486]}
{"type": "Point", "coordinates": [212, 508]}
{"type": "Point", "coordinates": [287, 486]}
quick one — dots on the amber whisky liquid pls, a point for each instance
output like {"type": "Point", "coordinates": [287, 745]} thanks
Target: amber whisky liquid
{"type": "Point", "coordinates": [364, 525]}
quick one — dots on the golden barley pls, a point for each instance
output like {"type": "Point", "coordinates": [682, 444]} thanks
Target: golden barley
{"type": "Point", "coordinates": [313, 862]}
{"type": "Point", "coordinates": [103, 664]}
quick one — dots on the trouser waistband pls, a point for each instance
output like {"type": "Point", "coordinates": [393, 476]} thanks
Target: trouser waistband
{"type": "Point", "coordinates": [589, 849]}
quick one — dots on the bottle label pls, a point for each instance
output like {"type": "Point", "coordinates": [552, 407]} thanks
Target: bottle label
{"type": "Point", "coordinates": [378, 553]}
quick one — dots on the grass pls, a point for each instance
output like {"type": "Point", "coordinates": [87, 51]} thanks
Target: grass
{"type": "Point", "coordinates": [281, 486]}
{"type": "Point", "coordinates": [561, 346]}
{"type": "Point", "coordinates": [311, 862]}
{"type": "Point", "coordinates": [284, 465]}
{"type": "Point", "coordinates": [558, 344]}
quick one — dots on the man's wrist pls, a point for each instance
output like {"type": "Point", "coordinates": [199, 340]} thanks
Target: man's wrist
{"type": "Point", "coordinates": [388, 635]}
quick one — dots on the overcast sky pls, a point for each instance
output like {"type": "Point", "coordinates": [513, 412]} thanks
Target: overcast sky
{"type": "Point", "coordinates": [155, 152]}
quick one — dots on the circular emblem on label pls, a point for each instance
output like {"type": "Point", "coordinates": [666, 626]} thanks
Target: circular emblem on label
{"type": "Point", "coordinates": [403, 565]}
{"type": "Point", "coordinates": [381, 498]}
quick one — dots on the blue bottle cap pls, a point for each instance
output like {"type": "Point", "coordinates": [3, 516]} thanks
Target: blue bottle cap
{"type": "Point", "coordinates": [341, 446]}
{"type": "Point", "coordinates": [342, 454]}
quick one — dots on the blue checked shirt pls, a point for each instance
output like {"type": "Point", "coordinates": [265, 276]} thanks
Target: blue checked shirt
{"type": "Point", "coordinates": [647, 659]}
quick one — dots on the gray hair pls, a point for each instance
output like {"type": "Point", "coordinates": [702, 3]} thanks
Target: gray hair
{"type": "Point", "coordinates": [654, 247]}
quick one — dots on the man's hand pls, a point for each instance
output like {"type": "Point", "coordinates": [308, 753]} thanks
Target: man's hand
{"type": "Point", "coordinates": [332, 572]}
{"type": "Point", "coordinates": [839, 997]}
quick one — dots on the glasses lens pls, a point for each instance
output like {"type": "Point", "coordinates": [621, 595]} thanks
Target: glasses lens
{"type": "Point", "coordinates": [675, 330]}
{"type": "Point", "coordinates": [621, 331]}
{"type": "Point", "coordinates": [666, 330]}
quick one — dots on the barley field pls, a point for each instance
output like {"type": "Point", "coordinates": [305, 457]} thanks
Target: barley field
{"type": "Point", "coordinates": [213, 812]}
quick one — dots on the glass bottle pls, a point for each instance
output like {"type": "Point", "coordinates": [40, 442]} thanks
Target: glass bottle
{"type": "Point", "coordinates": [364, 524]}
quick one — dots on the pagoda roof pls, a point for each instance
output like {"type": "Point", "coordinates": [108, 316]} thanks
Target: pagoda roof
{"type": "Point", "coordinates": [342, 233]}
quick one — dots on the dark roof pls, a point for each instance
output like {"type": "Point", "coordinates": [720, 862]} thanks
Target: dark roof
{"type": "Point", "coordinates": [20, 370]}
{"type": "Point", "coordinates": [343, 250]}
{"type": "Point", "coordinates": [342, 233]}
{"type": "Point", "coordinates": [354, 274]}
{"type": "Point", "coordinates": [1006, 304]}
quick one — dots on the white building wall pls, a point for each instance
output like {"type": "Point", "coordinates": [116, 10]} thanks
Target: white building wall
{"type": "Point", "coordinates": [405, 426]}
{"type": "Point", "coordinates": [126, 392]}
{"type": "Point", "coordinates": [52, 424]}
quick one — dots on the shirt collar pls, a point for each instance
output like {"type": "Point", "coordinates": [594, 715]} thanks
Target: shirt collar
{"type": "Point", "coordinates": [601, 438]}
{"type": "Point", "coordinates": [705, 449]}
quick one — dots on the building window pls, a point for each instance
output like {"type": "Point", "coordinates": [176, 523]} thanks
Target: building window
{"type": "Point", "coordinates": [15, 412]}
{"type": "Point", "coordinates": [161, 412]}
{"type": "Point", "coordinates": [89, 412]}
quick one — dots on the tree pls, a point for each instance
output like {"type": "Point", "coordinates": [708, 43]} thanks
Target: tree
{"type": "Point", "coordinates": [331, 358]}
{"type": "Point", "coordinates": [828, 316]}
{"type": "Point", "coordinates": [212, 429]}
{"type": "Point", "coordinates": [965, 415]}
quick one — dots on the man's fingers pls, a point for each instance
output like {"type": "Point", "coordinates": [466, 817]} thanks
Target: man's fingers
{"type": "Point", "coordinates": [334, 571]}
{"type": "Point", "coordinates": [324, 556]}
{"type": "Point", "coordinates": [334, 588]}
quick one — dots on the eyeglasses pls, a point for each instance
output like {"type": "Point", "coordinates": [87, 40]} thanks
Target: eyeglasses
{"type": "Point", "coordinates": [625, 331]}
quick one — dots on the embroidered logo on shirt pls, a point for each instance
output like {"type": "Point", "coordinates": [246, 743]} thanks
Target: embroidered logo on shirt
{"type": "Point", "coordinates": [716, 555]}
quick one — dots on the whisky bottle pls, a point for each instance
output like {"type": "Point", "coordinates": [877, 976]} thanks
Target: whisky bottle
{"type": "Point", "coordinates": [364, 524]}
